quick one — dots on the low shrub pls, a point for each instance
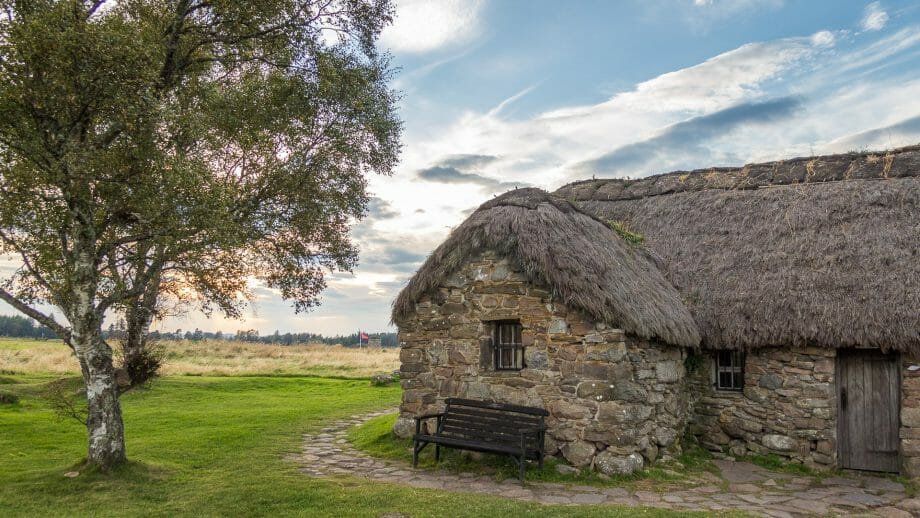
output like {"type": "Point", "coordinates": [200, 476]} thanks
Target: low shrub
{"type": "Point", "coordinates": [67, 398]}
{"type": "Point", "coordinates": [144, 364]}
{"type": "Point", "coordinates": [8, 398]}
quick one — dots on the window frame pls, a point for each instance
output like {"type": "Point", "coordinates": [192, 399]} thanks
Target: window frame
{"type": "Point", "coordinates": [734, 369]}
{"type": "Point", "coordinates": [515, 346]}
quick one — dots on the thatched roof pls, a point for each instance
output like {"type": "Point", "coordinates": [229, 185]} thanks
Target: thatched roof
{"type": "Point", "coordinates": [587, 265]}
{"type": "Point", "coordinates": [812, 251]}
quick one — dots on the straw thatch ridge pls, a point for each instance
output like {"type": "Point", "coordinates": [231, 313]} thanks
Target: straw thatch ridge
{"type": "Point", "coordinates": [830, 260]}
{"type": "Point", "coordinates": [587, 265]}
{"type": "Point", "coordinates": [896, 163]}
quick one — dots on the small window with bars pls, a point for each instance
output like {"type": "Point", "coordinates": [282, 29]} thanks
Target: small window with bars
{"type": "Point", "coordinates": [730, 370]}
{"type": "Point", "coordinates": [508, 346]}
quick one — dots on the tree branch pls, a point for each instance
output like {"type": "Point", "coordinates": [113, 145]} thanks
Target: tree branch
{"type": "Point", "coordinates": [46, 320]}
{"type": "Point", "coordinates": [93, 8]}
{"type": "Point", "coordinates": [25, 259]}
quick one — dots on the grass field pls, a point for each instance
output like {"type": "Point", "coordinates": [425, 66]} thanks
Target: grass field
{"type": "Point", "coordinates": [216, 446]}
{"type": "Point", "coordinates": [213, 358]}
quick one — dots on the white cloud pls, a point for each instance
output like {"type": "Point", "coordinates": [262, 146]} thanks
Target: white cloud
{"type": "Point", "coordinates": [427, 25]}
{"type": "Point", "coordinates": [545, 150]}
{"type": "Point", "coordinates": [875, 17]}
{"type": "Point", "coordinates": [720, 81]}
{"type": "Point", "coordinates": [541, 149]}
{"type": "Point", "coordinates": [504, 104]}
{"type": "Point", "coordinates": [823, 39]}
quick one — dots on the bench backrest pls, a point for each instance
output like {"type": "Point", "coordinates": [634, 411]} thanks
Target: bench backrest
{"type": "Point", "coordinates": [491, 422]}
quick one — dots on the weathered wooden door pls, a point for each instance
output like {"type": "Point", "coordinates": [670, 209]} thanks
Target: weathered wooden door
{"type": "Point", "coordinates": [868, 403]}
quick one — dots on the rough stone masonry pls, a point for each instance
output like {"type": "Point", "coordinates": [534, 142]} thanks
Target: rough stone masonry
{"type": "Point", "coordinates": [616, 403]}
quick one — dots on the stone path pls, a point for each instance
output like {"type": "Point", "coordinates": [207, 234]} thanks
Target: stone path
{"type": "Point", "coordinates": [741, 486]}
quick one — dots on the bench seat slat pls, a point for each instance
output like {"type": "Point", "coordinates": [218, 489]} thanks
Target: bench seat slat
{"type": "Point", "coordinates": [489, 424]}
{"type": "Point", "coordinates": [473, 434]}
{"type": "Point", "coordinates": [497, 406]}
{"type": "Point", "coordinates": [477, 445]}
{"type": "Point", "coordinates": [480, 430]}
{"type": "Point", "coordinates": [511, 420]}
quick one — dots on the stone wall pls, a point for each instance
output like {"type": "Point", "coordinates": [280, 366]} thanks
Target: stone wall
{"type": "Point", "coordinates": [615, 402]}
{"type": "Point", "coordinates": [788, 406]}
{"type": "Point", "coordinates": [910, 415]}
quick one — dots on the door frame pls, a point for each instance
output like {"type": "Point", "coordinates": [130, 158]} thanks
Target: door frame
{"type": "Point", "coordinates": [896, 357]}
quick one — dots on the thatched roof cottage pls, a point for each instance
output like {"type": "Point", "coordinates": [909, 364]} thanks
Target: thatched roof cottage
{"type": "Point", "coordinates": [773, 308]}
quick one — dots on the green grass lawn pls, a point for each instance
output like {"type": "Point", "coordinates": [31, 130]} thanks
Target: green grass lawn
{"type": "Point", "coordinates": [215, 447]}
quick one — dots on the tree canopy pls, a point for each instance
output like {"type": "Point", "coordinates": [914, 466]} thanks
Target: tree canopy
{"type": "Point", "coordinates": [181, 148]}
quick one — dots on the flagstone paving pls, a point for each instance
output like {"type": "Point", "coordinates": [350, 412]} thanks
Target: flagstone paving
{"type": "Point", "coordinates": [739, 486]}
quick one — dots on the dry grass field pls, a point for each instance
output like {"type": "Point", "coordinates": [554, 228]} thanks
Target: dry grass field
{"type": "Point", "coordinates": [212, 358]}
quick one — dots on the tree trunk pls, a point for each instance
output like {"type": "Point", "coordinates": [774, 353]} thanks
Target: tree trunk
{"type": "Point", "coordinates": [138, 318]}
{"type": "Point", "coordinates": [135, 338]}
{"type": "Point", "coordinates": [103, 424]}
{"type": "Point", "coordinates": [139, 315]}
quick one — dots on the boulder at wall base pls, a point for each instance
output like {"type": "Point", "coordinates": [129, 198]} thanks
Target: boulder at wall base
{"type": "Point", "coordinates": [610, 463]}
{"type": "Point", "coordinates": [404, 427]}
{"type": "Point", "coordinates": [578, 453]}
{"type": "Point", "coordinates": [778, 442]}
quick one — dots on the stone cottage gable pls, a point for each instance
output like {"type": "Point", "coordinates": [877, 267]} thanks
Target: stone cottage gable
{"type": "Point", "coordinates": [531, 301]}
{"type": "Point", "coordinates": [615, 401]}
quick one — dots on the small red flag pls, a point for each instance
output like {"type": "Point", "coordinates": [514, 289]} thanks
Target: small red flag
{"type": "Point", "coordinates": [364, 336]}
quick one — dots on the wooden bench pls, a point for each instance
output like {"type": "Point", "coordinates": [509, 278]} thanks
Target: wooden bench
{"type": "Point", "coordinates": [517, 431]}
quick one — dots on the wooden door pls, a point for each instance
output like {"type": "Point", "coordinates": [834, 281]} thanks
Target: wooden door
{"type": "Point", "coordinates": [868, 404]}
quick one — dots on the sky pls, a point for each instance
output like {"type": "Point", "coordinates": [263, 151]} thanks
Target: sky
{"type": "Point", "coordinates": [506, 93]}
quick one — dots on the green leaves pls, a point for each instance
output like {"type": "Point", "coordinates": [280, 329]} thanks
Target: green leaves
{"type": "Point", "coordinates": [207, 142]}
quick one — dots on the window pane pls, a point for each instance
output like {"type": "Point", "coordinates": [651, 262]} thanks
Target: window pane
{"type": "Point", "coordinates": [507, 346]}
{"type": "Point", "coordinates": [506, 358]}
{"type": "Point", "coordinates": [730, 369]}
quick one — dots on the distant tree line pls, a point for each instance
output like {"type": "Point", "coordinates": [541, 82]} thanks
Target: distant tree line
{"type": "Point", "coordinates": [252, 335]}
{"type": "Point", "coordinates": [23, 327]}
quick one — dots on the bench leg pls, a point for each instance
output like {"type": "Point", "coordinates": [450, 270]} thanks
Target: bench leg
{"type": "Point", "coordinates": [415, 450]}
{"type": "Point", "coordinates": [437, 453]}
{"type": "Point", "coordinates": [523, 465]}
{"type": "Point", "coordinates": [541, 461]}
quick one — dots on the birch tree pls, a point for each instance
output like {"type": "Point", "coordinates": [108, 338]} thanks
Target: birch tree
{"type": "Point", "coordinates": [149, 146]}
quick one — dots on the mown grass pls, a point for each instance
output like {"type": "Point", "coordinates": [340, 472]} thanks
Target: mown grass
{"type": "Point", "coordinates": [774, 462]}
{"type": "Point", "coordinates": [216, 446]}
{"type": "Point", "coordinates": [212, 358]}
{"type": "Point", "coordinates": [377, 439]}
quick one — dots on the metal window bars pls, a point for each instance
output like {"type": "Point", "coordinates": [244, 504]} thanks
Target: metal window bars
{"type": "Point", "coordinates": [509, 348]}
